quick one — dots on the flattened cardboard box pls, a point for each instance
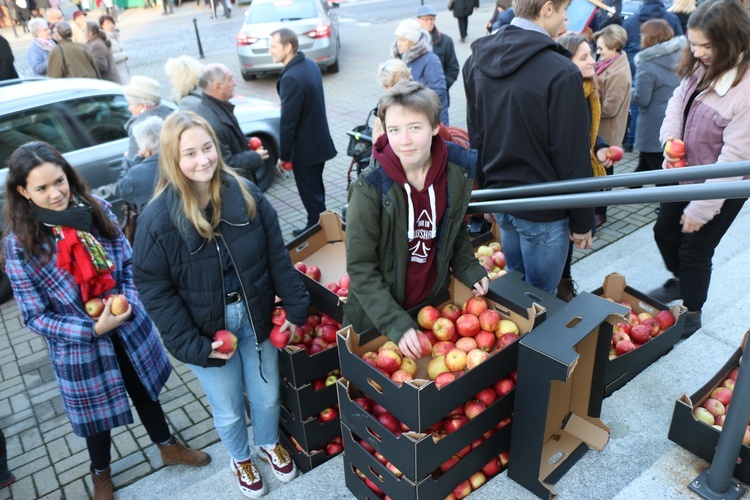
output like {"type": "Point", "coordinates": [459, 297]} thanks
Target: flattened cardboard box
{"type": "Point", "coordinates": [417, 455]}
{"type": "Point", "coordinates": [559, 392]}
{"type": "Point", "coordinates": [323, 246]}
{"type": "Point", "coordinates": [700, 438]}
{"type": "Point", "coordinates": [402, 488]}
{"type": "Point", "coordinates": [419, 403]}
{"type": "Point", "coordinates": [623, 369]}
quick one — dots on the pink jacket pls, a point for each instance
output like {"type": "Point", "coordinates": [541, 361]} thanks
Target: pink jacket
{"type": "Point", "coordinates": [716, 130]}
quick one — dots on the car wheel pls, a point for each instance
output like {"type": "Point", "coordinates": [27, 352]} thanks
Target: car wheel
{"type": "Point", "coordinates": [267, 174]}
{"type": "Point", "coordinates": [248, 77]}
{"type": "Point", "coordinates": [6, 293]}
{"type": "Point", "coordinates": [334, 68]}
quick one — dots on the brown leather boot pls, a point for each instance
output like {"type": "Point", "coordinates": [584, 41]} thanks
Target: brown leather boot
{"type": "Point", "coordinates": [176, 453]}
{"type": "Point", "coordinates": [103, 488]}
{"type": "Point", "coordinates": [566, 289]}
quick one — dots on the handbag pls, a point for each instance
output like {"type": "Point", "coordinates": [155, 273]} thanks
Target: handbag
{"type": "Point", "coordinates": [130, 213]}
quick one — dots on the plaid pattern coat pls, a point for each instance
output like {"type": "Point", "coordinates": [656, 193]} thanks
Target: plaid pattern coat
{"type": "Point", "coordinates": [85, 365]}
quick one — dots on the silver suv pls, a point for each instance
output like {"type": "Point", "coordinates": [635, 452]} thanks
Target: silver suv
{"type": "Point", "coordinates": [85, 118]}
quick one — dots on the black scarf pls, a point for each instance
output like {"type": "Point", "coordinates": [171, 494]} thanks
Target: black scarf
{"type": "Point", "coordinates": [75, 216]}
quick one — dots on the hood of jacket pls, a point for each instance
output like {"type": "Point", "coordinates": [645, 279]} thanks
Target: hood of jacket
{"type": "Point", "coordinates": [659, 50]}
{"type": "Point", "coordinates": [651, 9]}
{"type": "Point", "coordinates": [423, 46]}
{"type": "Point", "coordinates": [501, 54]}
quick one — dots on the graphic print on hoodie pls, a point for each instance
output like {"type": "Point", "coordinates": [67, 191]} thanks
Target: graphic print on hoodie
{"type": "Point", "coordinates": [425, 210]}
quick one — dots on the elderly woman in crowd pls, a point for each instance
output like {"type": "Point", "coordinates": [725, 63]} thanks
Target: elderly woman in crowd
{"type": "Point", "coordinates": [184, 74]}
{"type": "Point", "coordinates": [70, 59]}
{"type": "Point", "coordinates": [615, 81]}
{"type": "Point", "coordinates": [390, 73]}
{"type": "Point", "coordinates": [101, 52]}
{"type": "Point", "coordinates": [144, 100]}
{"type": "Point", "coordinates": [413, 46]}
{"type": "Point", "coordinates": [40, 47]}
{"type": "Point", "coordinates": [107, 23]}
{"type": "Point", "coordinates": [136, 184]}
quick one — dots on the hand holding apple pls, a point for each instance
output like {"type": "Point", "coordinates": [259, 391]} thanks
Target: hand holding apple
{"type": "Point", "coordinates": [410, 344]}
{"type": "Point", "coordinates": [613, 154]}
{"type": "Point", "coordinates": [107, 320]}
{"type": "Point", "coordinates": [675, 154]}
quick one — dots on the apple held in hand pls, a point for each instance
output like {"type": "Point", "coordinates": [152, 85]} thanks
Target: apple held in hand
{"type": "Point", "coordinates": [675, 148]}
{"type": "Point", "coordinates": [278, 338]}
{"type": "Point", "coordinates": [278, 316]}
{"type": "Point", "coordinates": [287, 165]}
{"type": "Point", "coordinates": [119, 304]}
{"type": "Point", "coordinates": [254, 143]}
{"type": "Point", "coordinates": [613, 154]}
{"type": "Point", "coordinates": [229, 339]}
{"type": "Point", "coordinates": [94, 307]}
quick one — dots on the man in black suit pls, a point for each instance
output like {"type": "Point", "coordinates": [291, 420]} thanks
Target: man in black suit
{"type": "Point", "coordinates": [218, 86]}
{"type": "Point", "coordinates": [305, 138]}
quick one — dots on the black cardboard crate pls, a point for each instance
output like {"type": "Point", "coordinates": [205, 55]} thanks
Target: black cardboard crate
{"type": "Point", "coordinates": [559, 392]}
{"type": "Point", "coordinates": [623, 369]}
{"type": "Point", "coordinates": [323, 245]}
{"type": "Point", "coordinates": [698, 437]}
{"type": "Point", "coordinates": [306, 402]}
{"type": "Point", "coordinates": [305, 461]}
{"type": "Point", "coordinates": [416, 455]}
{"type": "Point", "coordinates": [419, 403]}
{"type": "Point", "coordinates": [311, 434]}
{"type": "Point", "coordinates": [428, 488]}
{"type": "Point", "coordinates": [520, 296]}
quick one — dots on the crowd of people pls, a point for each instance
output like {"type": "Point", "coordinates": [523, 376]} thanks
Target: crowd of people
{"type": "Point", "coordinates": [193, 257]}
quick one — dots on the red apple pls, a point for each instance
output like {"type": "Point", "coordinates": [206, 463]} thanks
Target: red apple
{"type": "Point", "coordinates": [318, 384]}
{"type": "Point", "coordinates": [654, 325]}
{"type": "Point", "coordinates": [486, 396]}
{"type": "Point", "coordinates": [389, 422]}
{"type": "Point", "coordinates": [722, 394]}
{"type": "Point", "coordinates": [504, 386]}
{"type": "Point", "coordinates": [278, 338]}
{"type": "Point", "coordinates": [452, 424]}
{"type": "Point", "coordinates": [489, 320]}
{"type": "Point", "coordinates": [287, 165]}
{"type": "Point", "coordinates": [300, 266]}
{"type": "Point", "coordinates": [370, 358]}
{"type": "Point", "coordinates": [94, 307]}
{"type": "Point", "coordinates": [477, 480]}
{"type": "Point", "coordinates": [444, 379]}
{"type": "Point", "coordinates": [640, 334]}
{"type": "Point", "coordinates": [424, 342]}
{"type": "Point", "coordinates": [675, 148]}
{"type": "Point", "coordinates": [468, 344]}
{"type": "Point", "coordinates": [618, 336]}
{"type": "Point", "coordinates": [427, 316]}
{"type": "Point", "coordinates": [498, 258]}
{"type": "Point", "coordinates": [622, 327]}
{"type": "Point", "coordinates": [506, 326]}
{"type": "Point", "coordinates": [504, 457]}
{"type": "Point", "coordinates": [409, 366]}
{"type": "Point", "coordinates": [344, 281]}
{"type": "Point", "coordinates": [474, 306]}
{"type": "Point", "coordinates": [665, 319]}
{"type": "Point", "coordinates": [485, 340]}
{"type": "Point", "coordinates": [119, 304]}
{"type": "Point", "coordinates": [443, 329]}
{"type": "Point", "coordinates": [229, 339]}
{"type": "Point", "coordinates": [476, 357]}
{"type": "Point", "coordinates": [254, 143]}
{"type": "Point", "coordinates": [714, 407]}
{"type": "Point", "coordinates": [613, 153]}
{"type": "Point", "coordinates": [342, 292]}
{"type": "Point", "coordinates": [455, 360]}
{"type": "Point", "coordinates": [328, 334]}
{"type": "Point", "coordinates": [682, 162]}
{"type": "Point", "coordinates": [492, 467]}
{"type": "Point", "coordinates": [313, 272]}
{"type": "Point", "coordinates": [364, 403]}
{"type": "Point", "coordinates": [442, 347]}
{"type": "Point", "coordinates": [333, 449]}
{"type": "Point", "coordinates": [468, 325]}
{"type": "Point", "coordinates": [624, 347]}
{"type": "Point", "coordinates": [472, 408]}
{"type": "Point", "coordinates": [463, 490]}
{"type": "Point", "coordinates": [374, 487]}
{"type": "Point", "coordinates": [401, 376]}
{"type": "Point", "coordinates": [328, 414]}
{"type": "Point", "coordinates": [334, 287]}
{"type": "Point", "coordinates": [389, 360]}
{"type": "Point", "coordinates": [313, 320]}
{"type": "Point", "coordinates": [446, 466]}
{"type": "Point", "coordinates": [505, 340]}
{"type": "Point", "coordinates": [393, 470]}
{"type": "Point", "coordinates": [450, 311]}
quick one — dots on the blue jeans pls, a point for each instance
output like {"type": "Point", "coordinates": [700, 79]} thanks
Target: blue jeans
{"type": "Point", "coordinates": [535, 249]}
{"type": "Point", "coordinates": [225, 387]}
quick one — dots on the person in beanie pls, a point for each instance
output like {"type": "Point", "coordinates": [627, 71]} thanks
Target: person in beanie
{"type": "Point", "coordinates": [405, 222]}
{"type": "Point", "coordinates": [6, 476]}
{"type": "Point", "coordinates": [144, 100]}
{"type": "Point", "coordinates": [63, 251]}
{"type": "Point", "coordinates": [442, 44]}
{"type": "Point", "coordinates": [413, 45]}
{"type": "Point", "coordinates": [209, 256]}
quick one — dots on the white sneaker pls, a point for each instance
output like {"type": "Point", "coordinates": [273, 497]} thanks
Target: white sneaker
{"type": "Point", "coordinates": [250, 483]}
{"type": "Point", "coordinates": [281, 462]}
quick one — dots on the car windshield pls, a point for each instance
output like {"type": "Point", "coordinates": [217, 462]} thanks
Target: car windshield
{"type": "Point", "coordinates": [280, 10]}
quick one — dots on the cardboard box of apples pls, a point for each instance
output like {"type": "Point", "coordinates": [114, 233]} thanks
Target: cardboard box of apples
{"type": "Point", "coordinates": [697, 420]}
{"type": "Point", "coordinates": [649, 331]}
{"type": "Point", "coordinates": [367, 477]}
{"type": "Point", "coordinates": [458, 358]}
{"type": "Point", "coordinates": [310, 399]}
{"type": "Point", "coordinates": [314, 432]}
{"type": "Point", "coordinates": [320, 255]}
{"type": "Point", "coordinates": [307, 461]}
{"type": "Point", "coordinates": [415, 456]}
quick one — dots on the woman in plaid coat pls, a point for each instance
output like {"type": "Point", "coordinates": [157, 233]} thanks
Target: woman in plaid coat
{"type": "Point", "coordinates": [62, 248]}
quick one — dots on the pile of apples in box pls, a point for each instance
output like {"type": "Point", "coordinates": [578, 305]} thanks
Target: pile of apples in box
{"type": "Point", "coordinates": [316, 335]}
{"type": "Point", "coordinates": [639, 329]}
{"type": "Point", "coordinates": [492, 258]}
{"type": "Point", "coordinates": [457, 338]}
{"type": "Point", "coordinates": [713, 411]}
{"type": "Point", "coordinates": [340, 288]}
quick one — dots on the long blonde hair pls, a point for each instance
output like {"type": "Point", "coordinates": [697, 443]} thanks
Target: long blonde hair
{"type": "Point", "coordinates": [171, 175]}
{"type": "Point", "coordinates": [184, 73]}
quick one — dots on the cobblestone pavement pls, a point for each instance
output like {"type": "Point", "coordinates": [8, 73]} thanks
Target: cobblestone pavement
{"type": "Point", "coordinates": [48, 460]}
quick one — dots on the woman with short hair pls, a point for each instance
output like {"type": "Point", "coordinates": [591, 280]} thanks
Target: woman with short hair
{"type": "Point", "coordinates": [40, 47]}
{"type": "Point", "coordinates": [107, 23]}
{"type": "Point", "coordinates": [101, 52]}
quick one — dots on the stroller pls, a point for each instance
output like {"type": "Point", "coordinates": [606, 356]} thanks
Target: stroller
{"type": "Point", "coordinates": [360, 147]}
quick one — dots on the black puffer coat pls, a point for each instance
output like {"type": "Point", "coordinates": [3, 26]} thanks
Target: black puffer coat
{"type": "Point", "coordinates": [179, 274]}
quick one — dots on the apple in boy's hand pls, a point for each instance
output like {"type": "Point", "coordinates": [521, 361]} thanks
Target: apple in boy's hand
{"type": "Point", "coordinates": [94, 307]}
{"type": "Point", "coordinates": [229, 339]}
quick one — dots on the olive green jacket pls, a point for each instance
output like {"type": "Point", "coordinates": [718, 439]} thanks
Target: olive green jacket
{"type": "Point", "coordinates": [377, 246]}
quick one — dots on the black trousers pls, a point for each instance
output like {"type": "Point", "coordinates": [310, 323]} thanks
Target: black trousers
{"type": "Point", "coordinates": [149, 411]}
{"type": "Point", "coordinates": [312, 192]}
{"type": "Point", "coordinates": [688, 256]}
{"type": "Point", "coordinates": [463, 27]}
